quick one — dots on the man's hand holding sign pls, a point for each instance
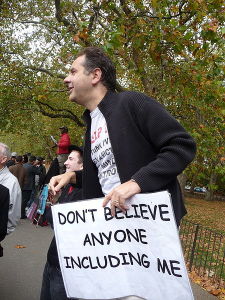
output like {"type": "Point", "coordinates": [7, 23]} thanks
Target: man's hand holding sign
{"type": "Point", "coordinates": [133, 253]}
{"type": "Point", "coordinates": [118, 196]}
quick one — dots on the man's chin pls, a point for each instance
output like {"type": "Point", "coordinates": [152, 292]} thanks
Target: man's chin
{"type": "Point", "coordinates": [72, 98]}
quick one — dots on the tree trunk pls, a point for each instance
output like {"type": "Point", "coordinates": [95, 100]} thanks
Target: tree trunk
{"type": "Point", "coordinates": [182, 178]}
{"type": "Point", "coordinates": [210, 191]}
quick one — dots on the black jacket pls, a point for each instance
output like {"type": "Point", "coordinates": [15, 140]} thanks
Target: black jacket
{"type": "Point", "coordinates": [4, 210]}
{"type": "Point", "coordinates": [149, 146]}
{"type": "Point", "coordinates": [31, 171]}
{"type": "Point", "coordinates": [76, 194]}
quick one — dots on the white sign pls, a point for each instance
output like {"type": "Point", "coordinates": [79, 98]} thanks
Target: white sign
{"type": "Point", "coordinates": [137, 253]}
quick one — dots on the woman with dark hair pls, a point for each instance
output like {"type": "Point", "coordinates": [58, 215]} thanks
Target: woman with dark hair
{"type": "Point", "coordinates": [25, 159]}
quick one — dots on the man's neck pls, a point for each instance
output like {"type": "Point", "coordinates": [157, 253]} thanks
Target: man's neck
{"type": "Point", "coordinates": [96, 98]}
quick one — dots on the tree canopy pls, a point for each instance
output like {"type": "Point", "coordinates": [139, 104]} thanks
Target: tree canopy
{"type": "Point", "coordinates": [171, 50]}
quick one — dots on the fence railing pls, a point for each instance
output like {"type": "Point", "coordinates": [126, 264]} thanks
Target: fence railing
{"type": "Point", "coordinates": [204, 251]}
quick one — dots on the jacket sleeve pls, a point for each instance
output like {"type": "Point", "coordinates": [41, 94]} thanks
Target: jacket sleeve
{"type": "Point", "coordinates": [14, 206]}
{"type": "Point", "coordinates": [174, 147]}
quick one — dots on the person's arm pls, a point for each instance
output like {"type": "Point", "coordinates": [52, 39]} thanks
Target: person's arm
{"type": "Point", "coordinates": [174, 147]}
{"type": "Point", "coordinates": [59, 181]}
{"type": "Point", "coordinates": [14, 207]}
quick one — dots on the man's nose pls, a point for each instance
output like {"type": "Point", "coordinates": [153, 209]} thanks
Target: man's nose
{"type": "Point", "coordinates": [66, 80]}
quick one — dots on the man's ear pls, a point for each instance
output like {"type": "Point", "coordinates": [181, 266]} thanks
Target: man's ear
{"type": "Point", "coordinates": [96, 75]}
{"type": "Point", "coordinates": [3, 160]}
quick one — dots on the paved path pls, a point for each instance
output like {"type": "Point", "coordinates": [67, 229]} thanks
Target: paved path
{"type": "Point", "coordinates": [21, 269]}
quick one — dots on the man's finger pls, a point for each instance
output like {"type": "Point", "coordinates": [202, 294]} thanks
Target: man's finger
{"type": "Point", "coordinates": [106, 200]}
{"type": "Point", "coordinates": [113, 208]}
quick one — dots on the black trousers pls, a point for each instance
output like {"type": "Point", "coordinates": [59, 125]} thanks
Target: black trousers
{"type": "Point", "coordinates": [25, 198]}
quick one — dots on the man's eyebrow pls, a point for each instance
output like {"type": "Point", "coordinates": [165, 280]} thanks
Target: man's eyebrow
{"type": "Point", "coordinates": [72, 70]}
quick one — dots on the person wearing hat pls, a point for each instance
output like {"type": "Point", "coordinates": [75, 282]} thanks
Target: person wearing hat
{"type": "Point", "coordinates": [12, 160]}
{"type": "Point", "coordinates": [63, 148]}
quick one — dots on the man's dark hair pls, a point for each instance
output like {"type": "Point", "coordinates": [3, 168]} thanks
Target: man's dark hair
{"type": "Point", "coordinates": [40, 158]}
{"type": "Point", "coordinates": [32, 158]}
{"type": "Point", "coordinates": [64, 129]}
{"type": "Point", "coordinates": [25, 158]}
{"type": "Point", "coordinates": [19, 159]}
{"type": "Point", "coordinates": [96, 58]}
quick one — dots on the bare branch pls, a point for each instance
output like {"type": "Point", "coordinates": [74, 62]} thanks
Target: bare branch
{"type": "Point", "coordinates": [61, 76]}
{"type": "Point", "coordinates": [39, 23]}
{"type": "Point", "coordinates": [60, 19]}
{"type": "Point", "coordinates": [150, 16]}
{"type": "Point", "coordinates": [125, 8]}
{"type": "Point", "coordinates": [58, 113]}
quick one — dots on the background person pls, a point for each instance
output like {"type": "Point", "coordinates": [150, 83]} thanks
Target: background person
{"type": "Point", "coordinates": [19, 171]}
{"type": "Point", "coordinates": [52, 282]}
{"type": "Point", "coordinates": [8, 180]}
{"type": "Point", "coordinates": [29, 186]}
{"type": "Point", "coordinates": [40, 164]}
{"type": "Point", "coordinates": [63, 148]}
{"type": "Point", "coordinates": [12, 160]}
{"type": "Point", "coordinates": [25, 158]}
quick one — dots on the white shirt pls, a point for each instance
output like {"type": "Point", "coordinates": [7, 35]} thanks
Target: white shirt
{"type": "Point", "coordinates": [102, 153]}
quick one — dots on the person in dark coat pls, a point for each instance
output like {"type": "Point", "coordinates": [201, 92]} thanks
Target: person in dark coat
{"type": "Point", "coordinates": [132, 144]}
{"type": "Point", "coordinates": [52, 171]}
{"type": "Point", "coordinates": [31, 171]}
{"type": "Point", "coordinates": [19, 171]}
{"type": "Point", "coordinates": [52, 282]}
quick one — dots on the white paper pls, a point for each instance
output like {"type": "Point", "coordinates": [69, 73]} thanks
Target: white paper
{"type": "Point", "coordinates": [139, 254]}
{"type": "Point", "coordinates": [53, 139]}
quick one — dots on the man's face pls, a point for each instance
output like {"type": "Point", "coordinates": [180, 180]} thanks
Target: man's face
{"type": "Point", "coordinates": [73, 162]}
{"type": "Point", "coordinates": [79, 82]}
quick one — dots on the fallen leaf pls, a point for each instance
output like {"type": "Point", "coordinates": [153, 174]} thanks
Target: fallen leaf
{"type": "Point", "coordinates": [20, 246]}
{"type": "Point", "coordinates": [215, 292]}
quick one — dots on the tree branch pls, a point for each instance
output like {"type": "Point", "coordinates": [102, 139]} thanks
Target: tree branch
{"type": "Point", "coordinates": [58, 113]}
{"type": "Point", "coordinates": [38, 69]}
{"type": "Point", "coordinates": [39, 23]}
{"type": "Point", "coordinates": [60, 19]}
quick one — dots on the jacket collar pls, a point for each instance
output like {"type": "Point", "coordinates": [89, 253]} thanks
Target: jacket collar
{"type": "Point", "coordinates": [106, 106]}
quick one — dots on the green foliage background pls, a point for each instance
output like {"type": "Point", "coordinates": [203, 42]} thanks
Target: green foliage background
{"type": "Point", "coordinates": [171, 50]}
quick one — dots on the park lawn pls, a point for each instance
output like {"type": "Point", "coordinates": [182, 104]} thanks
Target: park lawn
{"type": "Point", "coordinates": [207, 213]}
